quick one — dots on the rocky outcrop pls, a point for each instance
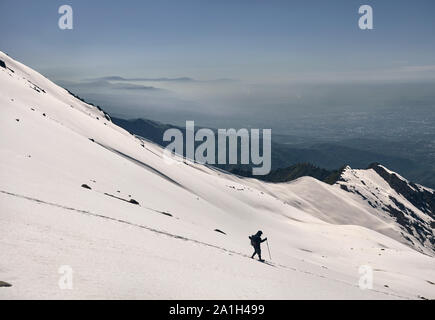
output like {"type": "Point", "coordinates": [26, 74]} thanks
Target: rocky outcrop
{"type": "Point", "coordinates": [421, 197]}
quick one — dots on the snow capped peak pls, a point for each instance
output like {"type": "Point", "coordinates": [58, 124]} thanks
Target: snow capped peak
{"type": "Point", "coordinates": [395, 199]}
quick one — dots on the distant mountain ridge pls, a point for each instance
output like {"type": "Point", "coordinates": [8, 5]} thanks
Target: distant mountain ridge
{"type": "Point", "coordinates": [293, 172]}
{"type": "Point", "coordinates": [154, 131]}
{"type": "Point", "coordinates": [328, 156]}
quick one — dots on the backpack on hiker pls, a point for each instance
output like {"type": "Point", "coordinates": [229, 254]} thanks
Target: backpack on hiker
{"type": "Point", "coordinates": [252, 238]}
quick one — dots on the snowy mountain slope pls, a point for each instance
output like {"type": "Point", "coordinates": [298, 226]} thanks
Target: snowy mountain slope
{"type": "Point", "coordinates": [396, 200]}
{"type": "Point", "coordinates": [166, 246]}
{"type": "Point", "coordinates": [338, 205]}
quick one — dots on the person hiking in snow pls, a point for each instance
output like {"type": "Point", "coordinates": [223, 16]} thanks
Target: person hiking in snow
{"type": "Point", "coordinates": [256, 243]}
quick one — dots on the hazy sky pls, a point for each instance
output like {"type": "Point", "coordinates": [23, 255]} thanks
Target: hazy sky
{"type": "Point", "coordinates": [217, 39]}
{"type": "Point", "coordinates": [276, 52]}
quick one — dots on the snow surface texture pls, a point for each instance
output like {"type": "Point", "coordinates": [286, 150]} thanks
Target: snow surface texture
{"type": "Point", "coordinates": [166, 247]}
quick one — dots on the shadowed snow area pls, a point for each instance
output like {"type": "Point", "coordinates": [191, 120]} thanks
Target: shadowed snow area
{"type": "Point", "coordinates": [143, 228]}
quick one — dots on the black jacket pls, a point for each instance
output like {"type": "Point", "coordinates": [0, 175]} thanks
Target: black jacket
{"type": "Point", "coordinates": [256, 240]}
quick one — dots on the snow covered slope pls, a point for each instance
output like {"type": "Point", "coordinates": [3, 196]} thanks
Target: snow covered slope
{"type": "Point", "coordinates": [391, 197]}
{"type": "Point", "coordinates": [76, 190]}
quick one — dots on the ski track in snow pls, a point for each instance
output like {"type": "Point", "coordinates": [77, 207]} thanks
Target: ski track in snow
{"type": "Point", "coordinates": [178, 237]}
{"type": "Point", "coordinates": [144, 165]}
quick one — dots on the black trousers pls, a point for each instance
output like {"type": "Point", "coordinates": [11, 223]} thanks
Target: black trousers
{"type": "Point", "coordinates": [257, 251]}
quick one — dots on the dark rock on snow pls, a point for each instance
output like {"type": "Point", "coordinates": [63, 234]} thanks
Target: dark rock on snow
{"type": "Point", "coordinates": [134, 201]}
{"type": "Point", "coordinates": [5, 284]}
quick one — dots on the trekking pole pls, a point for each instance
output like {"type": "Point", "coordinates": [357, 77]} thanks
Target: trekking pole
{"type": "Point", "coordinates": [267, 242]}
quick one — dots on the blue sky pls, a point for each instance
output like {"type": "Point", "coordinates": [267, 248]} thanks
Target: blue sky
{"type": "Point", "coordinates": [217, 39]}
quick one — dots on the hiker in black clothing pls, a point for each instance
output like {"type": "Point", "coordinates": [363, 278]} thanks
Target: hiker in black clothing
{"type": "Point", "coordinates": [256, 242]}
